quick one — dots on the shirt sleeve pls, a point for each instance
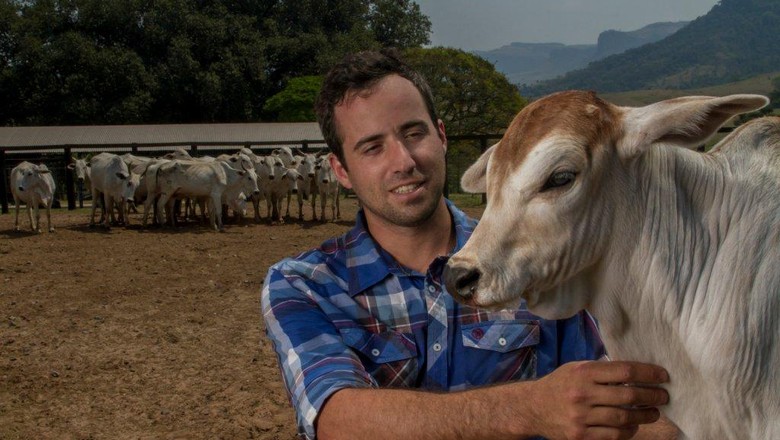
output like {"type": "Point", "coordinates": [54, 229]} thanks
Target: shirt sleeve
{"type": "Point", "coordinates": [313, 358]}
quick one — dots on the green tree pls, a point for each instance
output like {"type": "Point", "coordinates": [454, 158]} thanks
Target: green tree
{"type": "Point", "coordinates": [471, 98]}
{"type": "Point", "coordinates": [295, 103]}
{"type": "Point", "coordinates": [141, 61]}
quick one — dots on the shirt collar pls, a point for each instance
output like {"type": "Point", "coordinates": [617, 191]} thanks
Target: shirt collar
{"type": "Point", "coordinates": [368, 264]}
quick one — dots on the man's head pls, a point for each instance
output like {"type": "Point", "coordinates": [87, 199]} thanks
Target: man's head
{"type": "Point", "coordinates": [359, 73]}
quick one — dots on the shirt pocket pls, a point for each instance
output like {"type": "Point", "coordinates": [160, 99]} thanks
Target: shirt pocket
{"type": "Point", "coordinates": [389, 356]}
{"type": "Point", "coordinates": [498, 351]}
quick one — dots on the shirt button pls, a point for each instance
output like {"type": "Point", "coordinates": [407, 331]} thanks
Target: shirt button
{"type": "Point", "coordinates": [431, 289]}
{"type": "Point", "coordinates": [375, 352]}
{"type": "Point", "coordinates": [501, 342]}
{"type": "Point", "coordinates": [437, 347]}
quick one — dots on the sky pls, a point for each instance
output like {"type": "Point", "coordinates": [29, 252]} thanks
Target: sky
{"type": "Point", "coordinates": [490, 24]}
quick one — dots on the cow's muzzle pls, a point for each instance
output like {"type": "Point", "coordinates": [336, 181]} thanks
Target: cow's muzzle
{"type": "Point", "coordinates": [461, 281]}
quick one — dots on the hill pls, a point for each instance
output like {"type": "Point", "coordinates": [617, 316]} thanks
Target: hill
{"type": "Point", "coordinates": [527, 63]}
{"type": "Point", "coordinates": [760, 84]}
{"type": "Point", "coordinates": [734, 41]}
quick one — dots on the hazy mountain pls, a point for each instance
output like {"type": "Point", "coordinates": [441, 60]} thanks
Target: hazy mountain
{"type": "Point", "coordinates": [737, 39]}
{"type": "Point", "coordinates": [527, 63]}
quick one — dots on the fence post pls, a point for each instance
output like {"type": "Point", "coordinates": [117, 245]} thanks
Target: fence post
{"type": "Point", "coordinates": [69, 181]}
{"type": "Point", "coordinates": [3, 179]}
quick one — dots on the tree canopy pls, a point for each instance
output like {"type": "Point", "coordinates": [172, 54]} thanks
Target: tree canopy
{"type": "Point", "coordinates": [141, 61]}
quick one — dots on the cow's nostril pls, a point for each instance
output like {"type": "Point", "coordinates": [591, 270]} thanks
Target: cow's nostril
{"type": "Point", "coordinates": [461, 280]}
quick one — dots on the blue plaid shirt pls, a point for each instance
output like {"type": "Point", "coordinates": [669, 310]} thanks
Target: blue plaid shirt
{"type": "Point", "coordinates": [348, 315]}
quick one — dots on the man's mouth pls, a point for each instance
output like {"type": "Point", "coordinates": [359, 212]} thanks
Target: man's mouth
{"type": "Point", "coordinates": [406, 189]}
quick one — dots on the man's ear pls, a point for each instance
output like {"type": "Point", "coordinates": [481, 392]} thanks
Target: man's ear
{"type": "Point", "coordinates": [340, 171]}
{"type": "Point", "coordinates": [442, 134]}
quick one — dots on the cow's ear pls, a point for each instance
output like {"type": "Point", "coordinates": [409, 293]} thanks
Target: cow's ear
{"type": "Point", "coordinates": [474, 179]}
{"type": "Point", "coordinates": [686, 121]}
{"type": "Point", "coordinates": [71, 166]}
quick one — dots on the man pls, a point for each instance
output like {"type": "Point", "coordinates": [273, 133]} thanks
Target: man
{"type": "Point", "coordinates": [370, 344]}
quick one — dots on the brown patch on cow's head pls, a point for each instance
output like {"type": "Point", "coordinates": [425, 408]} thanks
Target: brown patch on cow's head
{"type": "Point", "coordinates": [578, 115]}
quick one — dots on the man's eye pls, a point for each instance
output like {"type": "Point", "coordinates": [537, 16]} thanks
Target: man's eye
{"type": "Point", "coordinates": [559, 179]}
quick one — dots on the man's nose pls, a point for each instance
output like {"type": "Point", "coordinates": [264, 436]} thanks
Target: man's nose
{"type": "Point", "coordinates": [402, 156]}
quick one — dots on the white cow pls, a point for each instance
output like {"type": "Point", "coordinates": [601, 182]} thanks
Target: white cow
{"type": "Point", "coordinates": [306, 165]}
{"type": "Point", "coordinates": [208, 180]}
{"type": "Point", "coordinates": [33, 185]}
{"type": "Point", "coordinates": [112, 180]}
{"type": "Point", "coordinates": [80, 168]}
{"type": "Point", "coordinates": [328, 187]}
{"type": "Point", "coordinates": [285, 183]}
{"type": "Point", "coordinates": [677, 253]}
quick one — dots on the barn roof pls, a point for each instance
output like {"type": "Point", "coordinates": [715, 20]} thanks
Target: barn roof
{"type": "Point", "coordinates": [163, 135]}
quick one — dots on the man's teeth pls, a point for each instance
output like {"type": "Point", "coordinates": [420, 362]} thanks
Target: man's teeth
{"type": "Point", "coordinates": [406, 189]}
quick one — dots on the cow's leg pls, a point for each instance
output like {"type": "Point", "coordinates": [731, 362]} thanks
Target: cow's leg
{"type": "Point", "coordinates": [215, 211]}
{"type": "Point", "coordinates": [323, 200]}
{"type": "Point", "coordinates": [314, 205]}
{"type": "Point", "coordinates": [37, 214]}
{"type": "Point", "coordinates": [256, 205]}
{"type": "Point", "coordinates": [161, 211]}
{"type": "Point", "coordinates": [94, 206]}
{"type": "Point", "coordinates": [16, 220]}
{"type": "Point", "coordinates": [48, 215]}
{"type": "Point", "coordinates": [30, 216]}
{"type": "Point", "coordinates": [147, 206]}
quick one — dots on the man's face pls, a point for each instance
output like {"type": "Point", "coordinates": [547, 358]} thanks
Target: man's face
{"type": "Point", "coordinates": [394, 153]}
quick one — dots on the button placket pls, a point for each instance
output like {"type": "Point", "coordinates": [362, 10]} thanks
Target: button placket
{"type": "Point", "coordinates": [436, 361]}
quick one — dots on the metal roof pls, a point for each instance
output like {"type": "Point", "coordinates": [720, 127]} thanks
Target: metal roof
{"type": "Point", "coordinates": [161, 135]}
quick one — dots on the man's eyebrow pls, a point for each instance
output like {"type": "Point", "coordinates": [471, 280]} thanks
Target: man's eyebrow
{"type": "Point", "coordinates": [416, 123]}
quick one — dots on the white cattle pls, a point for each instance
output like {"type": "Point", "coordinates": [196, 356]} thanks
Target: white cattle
{"type": "Point", "coordinates": [328, 187]}
{"type": "Point", "coordinates": [306, 165]}
{"type": "Point", "coordinates": [33, 185]}
{"type": "Point", "coordinates": [269, 170]}
{"type": "Point", "coordinates": [112, 180]}
{"type": "Point", "coordinates": [285, 182]}
{"type": "Point", "coordinates": [81, 169]}
{"type": "Point", "coordinates": [677, 253]}
{"type": "Point", "coordinates": [208, 180]}
{"type": "Point", "coordinates": [284, 154]}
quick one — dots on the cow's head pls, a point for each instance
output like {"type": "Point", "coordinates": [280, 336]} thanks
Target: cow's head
{"type": "Point", "coordinates": [555, 184]}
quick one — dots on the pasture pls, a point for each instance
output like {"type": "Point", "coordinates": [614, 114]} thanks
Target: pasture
{"type": "Point", "coordinates": [143, 333]}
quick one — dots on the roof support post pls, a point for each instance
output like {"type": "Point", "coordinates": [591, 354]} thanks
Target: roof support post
{"type": "Point", "coordinates": [69, 191]}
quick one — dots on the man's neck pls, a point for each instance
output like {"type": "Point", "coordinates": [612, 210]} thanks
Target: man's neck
{"type": "Point", "coordinates": [415, 247]}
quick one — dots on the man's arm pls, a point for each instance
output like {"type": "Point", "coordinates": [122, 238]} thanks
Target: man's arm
{"type": "Point", "coordinates": [578, 400]}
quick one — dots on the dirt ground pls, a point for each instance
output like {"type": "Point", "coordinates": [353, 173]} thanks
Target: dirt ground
{"type": "Point", "coordinates": [140, 333]}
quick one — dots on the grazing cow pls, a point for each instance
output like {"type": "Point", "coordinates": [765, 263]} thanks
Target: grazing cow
{"type": "Point", "coordinates": [209, 180]}
{"type": "Point", "coordinates": [677, 253]}
{"type": "Point", "coordinates": [328, 187]}
{"type": "Point", "coordinates": [112, 180]}
{"type": "Point", "coordinates": [33, 185]}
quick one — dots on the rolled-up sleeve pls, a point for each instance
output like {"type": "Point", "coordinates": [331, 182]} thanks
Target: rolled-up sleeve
{"type": "Point", "coordinates": [313, 358]}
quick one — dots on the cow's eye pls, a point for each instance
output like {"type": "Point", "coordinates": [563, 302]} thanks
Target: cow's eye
{"type": "Point", "coordinates": [559, 179]}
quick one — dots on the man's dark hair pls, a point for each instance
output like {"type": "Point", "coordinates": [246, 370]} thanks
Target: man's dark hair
{"type": "Point", "coordinates": [359, 72]}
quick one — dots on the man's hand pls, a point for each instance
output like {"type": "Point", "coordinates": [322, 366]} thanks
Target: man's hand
{"type": "Point", "coordinates": [592, 399]}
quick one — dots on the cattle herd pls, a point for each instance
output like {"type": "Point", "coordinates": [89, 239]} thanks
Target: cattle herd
{"type": "Point", "coordinates": [178, 184]}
